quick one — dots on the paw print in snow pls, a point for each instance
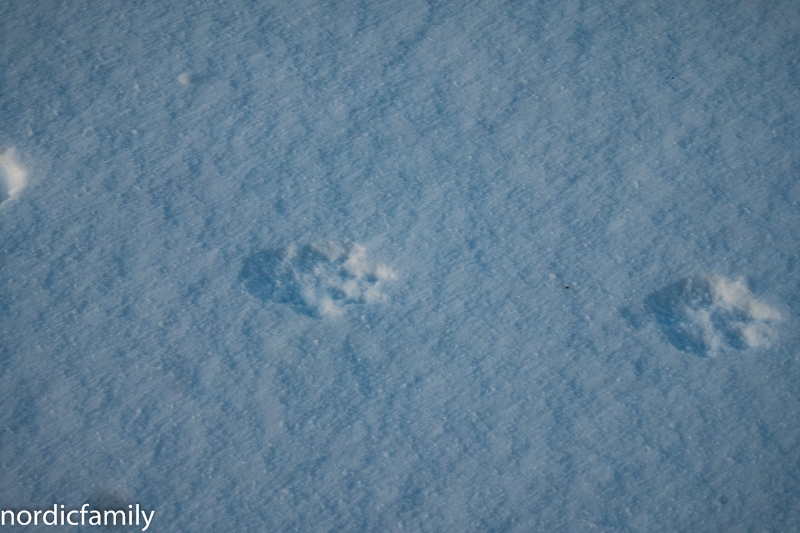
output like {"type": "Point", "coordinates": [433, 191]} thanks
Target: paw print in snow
{"type": "Point", "coordinates": [704, 314]}
{"type": "Point", "coordinates": [315, 279]}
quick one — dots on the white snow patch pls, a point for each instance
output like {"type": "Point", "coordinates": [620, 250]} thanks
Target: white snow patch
{"type": "Point", "coordinates": [382, 272]}
{"type": "Point", "coordinates": [373, 295]}
{"type": "Point", "coordinates": [359, 279]}
{"type": "Point", "coordinates": [735, 297]}
{"type": "Point", "coordinates": [756, 335]}
{"type": "Point", "coordinates": [328, 308]}
{"type": "Point", "coordinates": [13, 177]}
{"type": "Point", "coordinates": [357, 263]}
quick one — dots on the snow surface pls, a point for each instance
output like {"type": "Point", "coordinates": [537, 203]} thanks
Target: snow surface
{"type": "Point", "coordinates": [302, 266]}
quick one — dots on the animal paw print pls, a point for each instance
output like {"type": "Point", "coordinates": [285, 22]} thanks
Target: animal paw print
{"type": "Point", "coordinates": [704, 314]}
{"type": "Point", "coordinates": [315, 279]}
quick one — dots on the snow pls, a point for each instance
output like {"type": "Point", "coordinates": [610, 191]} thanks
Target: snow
{"type": "Point", "coordinates": [703, 313]}
{"type": "Point", "coordinates": [302, 266]}
{"type": "Point", "coordinates": [13, 177]}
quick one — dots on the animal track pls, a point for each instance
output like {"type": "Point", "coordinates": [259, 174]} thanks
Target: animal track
{"type": "Point", "coordinates": [315, 279]}
{"type": "Point", "coordinates": [703, 314]}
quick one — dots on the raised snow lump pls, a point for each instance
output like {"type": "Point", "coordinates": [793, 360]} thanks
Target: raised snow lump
{"type": "Point", "coordinates": [13, 177]}
{"type": "Point", "coordinates": [705, 314]}
{"type": "Point", "coordinates": [315, 279]}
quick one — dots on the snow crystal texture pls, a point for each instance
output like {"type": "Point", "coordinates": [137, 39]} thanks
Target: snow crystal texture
{"type": "Point", "coordinates": [303, 265]}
